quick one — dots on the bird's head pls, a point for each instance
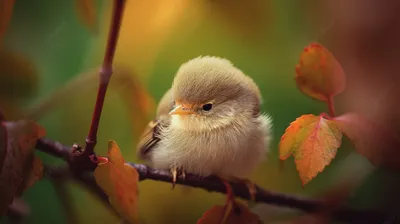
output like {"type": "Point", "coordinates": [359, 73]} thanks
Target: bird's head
{"type": "Point", "coordinates": [210, 92]}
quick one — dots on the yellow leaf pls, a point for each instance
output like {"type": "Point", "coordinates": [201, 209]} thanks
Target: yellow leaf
{"type": "Point", "coordinates": [318, 74]}
{"type": "Point", "coordinates": [313, 140]}
{"type": "Point", "coordinates": [120, 182]}
{"type": "Point", "coordinates": [86, 10]}
{"type": "Point", "coordinates": [6, 9]}
{"type": "Point", "coordinates": [240, 214]}
{"type": "Point", "coordinates": [289, 142]}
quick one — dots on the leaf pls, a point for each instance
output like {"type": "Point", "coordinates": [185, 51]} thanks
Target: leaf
{"type": "Point", "coordinates": [119, 181]}
{"type": "Point", "coordinates": [6, 9]}
{"type": "Point", "coordinates": [36, 172]}
{"type": "Point", "coordinates": [318, 74]}
{"type": "Point", "coordinates": [246, 18]}
{"type": "Point", "coordinates": [20, 143]}
{"type": "Point", "coordinates": [241, 214]}
{"type": "Point", "coordinates": [138, 100]}
{"type": "Point", "coordinates": [370, 139]}
{"type": "Point", "coordinates": [86, 10]}
{"type": "Point", "coordinates": [313, 140]}
{"type": "Point", "coordinates": [18, 75]}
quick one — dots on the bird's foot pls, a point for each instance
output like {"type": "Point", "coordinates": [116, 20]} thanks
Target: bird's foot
{"type": "Point", "coordinates": [250, 186]}
{"type": "Point", "coordinates": [175, 171]}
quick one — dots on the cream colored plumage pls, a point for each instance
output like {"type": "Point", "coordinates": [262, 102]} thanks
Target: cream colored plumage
{"type": "Point", "coordinates": [229, 138]}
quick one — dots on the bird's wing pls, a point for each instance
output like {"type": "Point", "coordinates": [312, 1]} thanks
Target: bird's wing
{"type": "Point", "coordinates": [149, 138]}
{"type": "Point", "coordinates": [151, 135]}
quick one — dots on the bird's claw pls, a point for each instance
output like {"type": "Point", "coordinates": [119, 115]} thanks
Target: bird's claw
{"type": "Point", "coordinates": [175, 171]}
{"type": "Point", "coordinates": [249, 184]}
{"type": "Point", "coordinates": [252, 189]}
{"type": "Point", "coordinates": [183, 174]}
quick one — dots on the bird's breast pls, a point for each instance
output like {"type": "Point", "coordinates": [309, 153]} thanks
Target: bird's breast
{"type": "Point", "coordinates": [221, 150]}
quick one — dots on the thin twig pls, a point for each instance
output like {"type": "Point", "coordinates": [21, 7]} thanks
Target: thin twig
{"type": "Point", "coordinates": [105, 74]}
{"type": "Point", "coordinates": [214, 184]}
{"type": "Point", "coordinates": [331, 106]}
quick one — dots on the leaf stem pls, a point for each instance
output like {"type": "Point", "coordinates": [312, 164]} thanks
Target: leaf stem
{"type": "Point", "coordinates": [331, 106]}
{"type": "Point", "coordinates": [105, 74]}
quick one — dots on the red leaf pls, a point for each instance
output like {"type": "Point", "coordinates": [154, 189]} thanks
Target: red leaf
{"type": "Point", "coordinates": [20, 143]}
{"type": "Point", "coordinates": [318, 74]}
{"type": "Point", "coordinates": [370, 139]}
{"type": "Point", "coordinates": [241, 214]}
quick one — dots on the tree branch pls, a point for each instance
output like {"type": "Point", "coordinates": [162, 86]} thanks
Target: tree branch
{"type": "Point", "coordinates": [105, 74]}
{"type": "Point", "coordinates": [212, 184]}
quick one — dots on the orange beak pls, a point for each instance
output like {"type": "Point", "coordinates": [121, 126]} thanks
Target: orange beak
{"type": "Point", "coordinates": [181, 109]}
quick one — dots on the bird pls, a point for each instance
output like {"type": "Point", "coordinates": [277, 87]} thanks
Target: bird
{"type": "Point", "coordinates": [208, 123]}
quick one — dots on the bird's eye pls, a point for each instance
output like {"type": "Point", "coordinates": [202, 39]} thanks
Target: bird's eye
{"type": "Point", "coordinates": [207, 106]}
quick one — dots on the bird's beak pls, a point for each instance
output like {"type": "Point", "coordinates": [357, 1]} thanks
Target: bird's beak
{"type": "Point", "coordinates": [182, 110]}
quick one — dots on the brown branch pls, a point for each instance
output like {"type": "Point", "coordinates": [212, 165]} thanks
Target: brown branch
{"type": "Point", "coordinates": [212, 184]}
{"type": "Point", "coordinates": [105, 74]}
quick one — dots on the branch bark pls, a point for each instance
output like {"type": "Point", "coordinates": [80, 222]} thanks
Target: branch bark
{"type": "Point", "coordinates": [212, 184]}
{"type": "Point", "coordinates": [105, 74]}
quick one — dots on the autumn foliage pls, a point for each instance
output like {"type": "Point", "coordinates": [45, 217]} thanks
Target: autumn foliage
{"type": "Point", "coordinates": [19, 167]}
{"type": "Point", "coordinates": [235, 213]}
{"type": "Point", "coordinates": [313, 140]}
{"type": "Point", "coordinates": [119, 181]}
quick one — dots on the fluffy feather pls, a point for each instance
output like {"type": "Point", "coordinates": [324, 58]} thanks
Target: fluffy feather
{"type": "Point", "coordinates": [229, 140]}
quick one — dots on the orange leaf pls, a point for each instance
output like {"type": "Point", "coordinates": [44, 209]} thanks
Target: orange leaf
{"type": "Point", "coordinates": [241, 214]}
{"type": "Point", "coordinates": [36, 172]}
{"type": "Point", "coordinates": [6, 9]}
{"type": "Point", "coordinates": [313, 140]}
{"type": "Point", "coordinates": [318, 74]}
{"type": "Point", "coordinates": [120, 182]}
{"type": "Point", "coordinates": [87, 13]}
{"type": "Point", "coordinates": [370, 140]}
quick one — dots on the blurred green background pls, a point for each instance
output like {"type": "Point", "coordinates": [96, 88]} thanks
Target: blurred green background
{"type": "Point", "coordinates": [263, 38]}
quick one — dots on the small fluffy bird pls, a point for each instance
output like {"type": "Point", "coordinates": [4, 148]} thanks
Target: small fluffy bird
{"type": "Point", "coordinates": [208, 123]}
